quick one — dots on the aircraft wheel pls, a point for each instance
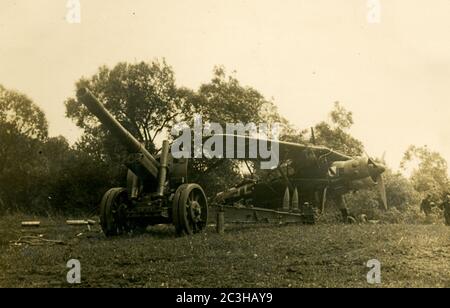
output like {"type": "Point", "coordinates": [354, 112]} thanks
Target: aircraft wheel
{"type": "Point", "coordinates": [190, 209]}
{"type": "Point", "coordinates": [113, 211]}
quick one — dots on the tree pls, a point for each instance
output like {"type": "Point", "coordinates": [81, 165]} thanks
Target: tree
{"type": "Point", "coordinates": [429, 171]}
{"type": "Point", "coordinates": [23, 129]}
{"type": "Point", "coordinates": [335, 135]}
{"type": "Point", "coordinates": [39, 174]}
{"type": "Point", "coordinates": [225, 100]}
{"type": "Point", "coordinates": [143, 97]}
{"type": "Point", "coordinates": [19, 115]}
{"type": "Point", "coordinates": [20, 122]}
{"type": "Point", "coordinates": [400, 191]}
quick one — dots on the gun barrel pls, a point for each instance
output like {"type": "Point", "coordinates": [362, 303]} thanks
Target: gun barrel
{"type": "Point", "coordinates": [125, 137]}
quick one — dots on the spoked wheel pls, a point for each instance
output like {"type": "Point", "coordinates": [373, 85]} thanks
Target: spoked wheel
{"type": "Point", "coordinates": [113, 211]}
{"type": "Point", "coordinates": [190, 209]}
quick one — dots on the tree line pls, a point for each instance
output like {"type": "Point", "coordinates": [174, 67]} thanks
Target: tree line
{"type": "Point", "coordinates": [41, 174]}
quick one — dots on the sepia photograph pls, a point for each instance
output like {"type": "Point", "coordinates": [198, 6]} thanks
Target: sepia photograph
{"type": "Point", "coordinates": [224, 151]}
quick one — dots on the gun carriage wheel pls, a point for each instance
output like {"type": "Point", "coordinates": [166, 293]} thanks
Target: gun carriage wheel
{"type": "Point", "coordinates": [113, 211]}
{"type": "Point", "coordinates": [190, 209]}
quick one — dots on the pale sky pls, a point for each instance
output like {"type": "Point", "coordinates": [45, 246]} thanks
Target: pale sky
{"type": "Point", "coordinates": [394, 75]}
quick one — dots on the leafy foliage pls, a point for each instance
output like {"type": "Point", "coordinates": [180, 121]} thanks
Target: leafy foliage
{"type": "Point", "coordinates": [143, 97]}
{"type": "Point", "coordinates": [429, 171]}
{"type": "Point", "coordinates": [23, 128]}
{"type": "Point", "coordinates": [73, 180]}
{"type": "Point", "coordinates": [40, 174]}
{"type": "Point", "coordinates": [20, 116]}
{"type": "Point", "coordinates": [335, 135]}
{"type": "Point", "coordinates": [400, 193]}
{"type": "Point", "coordinates": [224, 100]}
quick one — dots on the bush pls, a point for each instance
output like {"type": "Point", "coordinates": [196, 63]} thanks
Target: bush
{"type": "Point", "coordinates": [403, 201]}
{"type": "Point", "coordinates": [57, 179]}
{"type": "Point", "coordinates": [75, 181]}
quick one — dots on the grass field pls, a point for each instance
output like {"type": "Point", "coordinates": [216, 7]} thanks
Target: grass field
{"type": "Point", "coordinates": [246, 256]}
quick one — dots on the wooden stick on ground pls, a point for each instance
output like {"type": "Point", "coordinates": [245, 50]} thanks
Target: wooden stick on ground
{"type": "Point", "coordinates": [31, 224]}
{"type": "Point", "coordinates": [36, 241]}
{"type": "Point", "coordinates": [80, 222]}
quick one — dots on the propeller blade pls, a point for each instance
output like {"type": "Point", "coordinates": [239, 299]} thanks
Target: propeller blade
{"type": "Point", "coordinates": [365, 155]}
{"type": "Point", "coordinates": [382, 189]}
{"type": "Point", "coordinates": [383, 158]}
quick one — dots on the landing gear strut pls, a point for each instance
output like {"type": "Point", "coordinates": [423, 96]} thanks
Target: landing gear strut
{"type": "Point", "coordinates": [340, 202]}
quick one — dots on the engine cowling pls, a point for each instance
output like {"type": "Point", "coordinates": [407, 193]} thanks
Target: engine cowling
{"type": "Point", "coordinates": [360, 169]}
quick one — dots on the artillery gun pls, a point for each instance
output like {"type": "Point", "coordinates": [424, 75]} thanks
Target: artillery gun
{"type": "Point", "coordinates": [157, 192]}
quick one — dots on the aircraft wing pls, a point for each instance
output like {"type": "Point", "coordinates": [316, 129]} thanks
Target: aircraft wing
{"type": "Point", "coordinates": [244, 146]}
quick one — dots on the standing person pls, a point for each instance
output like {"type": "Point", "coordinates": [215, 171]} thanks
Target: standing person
{"type": "Point", "coordinates": [425, 206]}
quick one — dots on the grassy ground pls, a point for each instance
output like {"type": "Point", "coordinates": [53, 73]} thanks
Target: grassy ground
{"type": "Point", "coordinates": [246, 256]}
